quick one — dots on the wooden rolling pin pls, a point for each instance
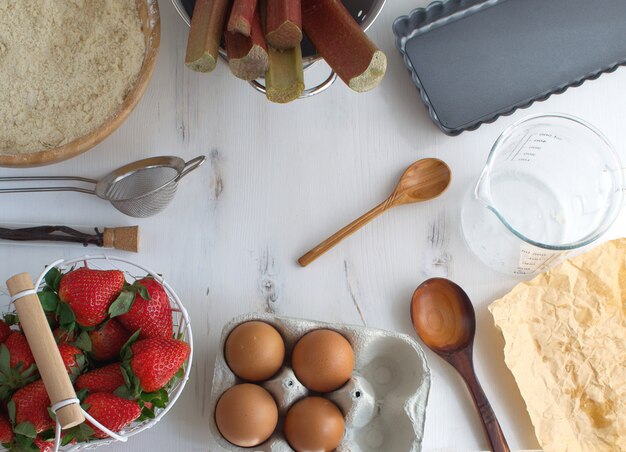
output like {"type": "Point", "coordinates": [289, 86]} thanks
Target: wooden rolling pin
{"type": "Point", "coordinates": [42, 344]}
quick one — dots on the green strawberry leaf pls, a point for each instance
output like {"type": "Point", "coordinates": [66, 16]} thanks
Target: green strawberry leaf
{"type": "Point", "coordinates": [125, 393]}
{"type": "Point", "coordinates": [141, 290]}
{"type": "Point", "coordinates": [125, 372]}
{"type": "Point", "coordinates": [123, 303]}
{"type": "Point", "coordinates": [26, 429]}
{"type": "Point", "coordinates": [81, 433]}
{"type": "Point", "coordinates": [81, 394]}
{"type": "Point", "coordinates": [52, 278]}
{"type": "Point", "coordinates": [11, 410]}
{"type": "Point", "coordinates": [11, 319]}
{"type": "Point", "coordinates": [49, 300]}
{"type": "Point", "coordinates": [52, 415]}
{"type": "Point", "coordinates": [146, 413]}
{"type": "Point", "coordinates": [83, 341]}
{"type": "Point", "coordinates": [66, 315]}
{"type": "Point", "coordinates": [68, 438]}
{"type": "Point", "coordinates": [24, 443]}
{"type": "Point", "coordinates": [5, 359]}
{"type": "Point", "coordinates": [126, 352]}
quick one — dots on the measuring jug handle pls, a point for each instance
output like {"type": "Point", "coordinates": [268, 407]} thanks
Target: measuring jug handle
{"type": "Point", "coordinates": [623, 170]}
{"type": "Point", "coordinates": [45, 351]}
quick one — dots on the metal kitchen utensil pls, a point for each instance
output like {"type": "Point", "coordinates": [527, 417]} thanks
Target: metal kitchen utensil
{"type": "Point", "coordinates": [474, 60]}
{"type": "Point", "coordinates": [363, 11]}
{"type": "Point", "coordinates": [140, 189]}
{"type": "Point", "coordinates": [552, 183]}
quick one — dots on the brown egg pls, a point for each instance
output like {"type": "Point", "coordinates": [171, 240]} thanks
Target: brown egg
{"type": "Point", "coordinates": [314, 424]}
{"type": "Point", "coordinates": [246, 415]}
{"type": "Point", "coordinates": [323, 360]}
{"type": "Point", "coordinates": [254, 351]}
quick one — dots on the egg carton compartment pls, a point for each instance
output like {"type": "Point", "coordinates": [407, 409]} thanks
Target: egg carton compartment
{"type": "Point", "coordinates": [383, 403]}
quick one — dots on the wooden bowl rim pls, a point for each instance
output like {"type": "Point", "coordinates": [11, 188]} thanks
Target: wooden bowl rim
{"type": "Point", "coordinates": [88, 141]}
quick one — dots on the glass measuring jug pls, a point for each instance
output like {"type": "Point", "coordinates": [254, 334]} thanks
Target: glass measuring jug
{"type": "Point", "coordinates": [552, 184]}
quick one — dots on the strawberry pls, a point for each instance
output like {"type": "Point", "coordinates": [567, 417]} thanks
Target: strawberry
{"type": "Point", "coordinates": [89, 293]}
{"type": "Point", "coordinates": [19, 350]}
{"type": "Point", "coordinates": [73, 359]}
{"type": "Point", "coordinates": [31, 405]}
{"type": "Point", "coordinates": [107, 340]}
{"type": "Point", "coordinates": [6, 430]}
{"type": "Point", "coordinates": [152, 314]}
{"type": "Point", "coordinates": [63, 336]}
{"type": "Point", "coordinates": [112, 411]}
{"type": "Point", "coordinates": [5, 331]}
{"type": "Point", "coordinates": [104, 379]}
{"type": "Point", "coordinates": [155, 361]}
{"type": "Point", "coordinates": [17, 365]}
{"type": "Point", "coordinates": [44, 445]}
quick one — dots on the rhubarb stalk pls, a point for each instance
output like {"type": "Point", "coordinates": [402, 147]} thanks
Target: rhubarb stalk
{"type": "Point", "coordinates": [284, 80]}
{"type": "Point", "coordinates": [241, 16]}
{"type": "Point", "coordinates": [343, 44]}
{"type": "Point", "coordinates": [207, 26]}
{"type": "Point", "coordinates": [284, 23]}
{"type": "Point", "coordinates": [247, 56]}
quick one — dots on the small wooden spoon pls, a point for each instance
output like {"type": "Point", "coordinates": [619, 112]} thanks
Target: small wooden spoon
{"type": "Point", "coordinates": [443, 317]}
{"type": "Point", "coordinates": [423, 180]}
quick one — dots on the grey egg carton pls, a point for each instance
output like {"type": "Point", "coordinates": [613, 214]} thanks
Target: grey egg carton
{"type": "Point", "coordinates": [384, 403]}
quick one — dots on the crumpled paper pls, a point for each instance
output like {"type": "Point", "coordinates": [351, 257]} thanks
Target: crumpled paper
{"type": "Point", "coordinates": [565, 334]}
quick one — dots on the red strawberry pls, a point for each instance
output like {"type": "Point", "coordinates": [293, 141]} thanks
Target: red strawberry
{"type": "Point", "coordinates": [6, 430]}
{"type": "Point", "coordinates": [104, 379]}
{"type": "Point", "coordinates": [156, 360]}
{"type": "Point", "coordinates": [107, 340]}
{"type": "Point", "coordinates": [90, 293]}
{"type": "Point", "coordinates": [17, 365]}
{"type": "Point", "coordinates": [73, 359]}
{"type": "Point", "coordinates": [63, 336]}
{"type": "Point", "coordinates": [111, 411]}
{"type": "Point", "coordinates": [19, 350]}
{"type": "Point", "coordinates": [31, 405]}
{"type": "Point", "coordinates": [5, 331]}
{"type": "Point", "coordinates": [153, 316]}
{"type": "Point", "coordinates": [43, 445]}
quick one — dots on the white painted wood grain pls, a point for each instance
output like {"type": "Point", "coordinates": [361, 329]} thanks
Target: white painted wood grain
{"type": "Point", "coordinates": [281, 178]}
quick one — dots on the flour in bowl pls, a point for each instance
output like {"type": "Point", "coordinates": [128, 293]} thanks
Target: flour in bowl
{"type": "Point", "coordinates": [65, 67]}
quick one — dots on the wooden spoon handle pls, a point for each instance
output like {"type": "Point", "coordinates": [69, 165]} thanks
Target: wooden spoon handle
{"type": "Point", "coordinates": [343, 233]}
{"type": "Point", "coordinates": [491, 425]}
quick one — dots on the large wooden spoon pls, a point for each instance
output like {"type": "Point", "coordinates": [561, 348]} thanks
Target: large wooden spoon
{"type": "Point", "coordinates": [423, 180]}
{"type": "Point", "coordinates": [443, 317]}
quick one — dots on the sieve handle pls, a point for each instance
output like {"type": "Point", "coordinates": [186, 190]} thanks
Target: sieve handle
{"type": "Point", "coordinates": [47, 189]}
{"type": "Point", "coordinates": [44, 348]}
{"type": "Point", "coordinates": [190, 166]}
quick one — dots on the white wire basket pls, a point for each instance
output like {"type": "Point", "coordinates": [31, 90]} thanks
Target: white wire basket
{"type": "Point", "coordinates": [181, 328]}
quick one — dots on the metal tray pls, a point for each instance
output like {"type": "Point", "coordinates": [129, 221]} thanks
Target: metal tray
{"type": "Point", "coordinates": [475, 60]}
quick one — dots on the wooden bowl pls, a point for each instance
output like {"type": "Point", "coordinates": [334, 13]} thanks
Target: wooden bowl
{"type": "Point", "coordinates": [151, 27]}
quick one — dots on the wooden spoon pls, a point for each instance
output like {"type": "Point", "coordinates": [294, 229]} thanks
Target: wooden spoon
{"type": "Point", "coordinates": [423, 180]}
{"type": "Point", "coordinates": [443, 317]}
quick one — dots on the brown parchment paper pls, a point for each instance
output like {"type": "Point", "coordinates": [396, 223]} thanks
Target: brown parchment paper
{"type": "Point", "coordinates": [565, 334]}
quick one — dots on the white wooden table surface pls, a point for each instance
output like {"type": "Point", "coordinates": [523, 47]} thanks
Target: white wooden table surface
{"type": "Point", "coordinates": [279, 178]}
